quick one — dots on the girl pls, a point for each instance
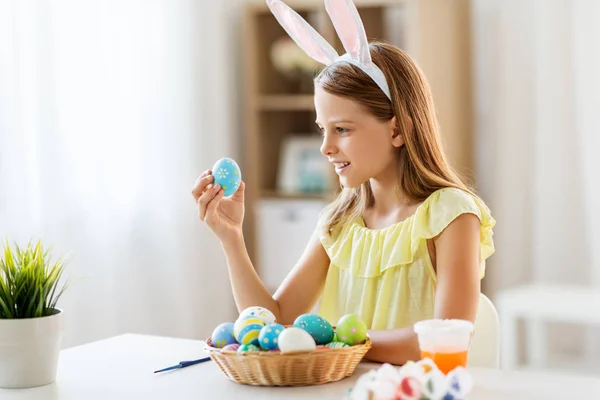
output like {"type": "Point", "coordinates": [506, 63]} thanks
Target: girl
{"type": "Point", "coordinates": [405, 239]}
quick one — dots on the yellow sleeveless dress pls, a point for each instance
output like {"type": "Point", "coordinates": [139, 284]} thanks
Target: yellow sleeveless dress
{"type": "Point", "coordinates": [385, 276]}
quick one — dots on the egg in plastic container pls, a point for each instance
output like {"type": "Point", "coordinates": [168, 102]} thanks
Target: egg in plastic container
{"type": "Point", "coordinates": [227, 173]}
{"type": "Point", "coordinates": [460, 383]}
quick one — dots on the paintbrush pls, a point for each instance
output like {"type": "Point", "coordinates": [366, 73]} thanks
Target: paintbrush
{"type": "Point", "coordinates": [184, 364]}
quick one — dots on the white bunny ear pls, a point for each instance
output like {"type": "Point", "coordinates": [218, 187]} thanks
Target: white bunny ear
{"type": "Point", "coordinates": [350, 29]}
{"type": "Point", "coordinates": [302, 33]}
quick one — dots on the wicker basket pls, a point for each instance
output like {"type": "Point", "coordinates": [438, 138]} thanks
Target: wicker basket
{"type": "Point", "coordinates": [291, 369]}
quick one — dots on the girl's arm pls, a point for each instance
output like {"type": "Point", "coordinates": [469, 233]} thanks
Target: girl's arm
{"type": "Point", "coordinates": [224, 216]}
{"type": "Point", "coordinates": [457, 293]}
{"type": "Point", "coordinates": [296, 295]}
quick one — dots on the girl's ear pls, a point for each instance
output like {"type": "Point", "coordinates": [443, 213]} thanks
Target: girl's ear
{"type": "Point", "coordinates": [397, 138]}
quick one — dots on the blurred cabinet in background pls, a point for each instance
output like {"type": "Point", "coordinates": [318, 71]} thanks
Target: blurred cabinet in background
{"type": "Point", "coordinates": [284, 228]}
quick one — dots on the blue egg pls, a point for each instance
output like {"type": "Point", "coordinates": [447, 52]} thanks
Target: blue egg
{"type": "Point", "coordinates": [223, 335]}
{"type": "Point", "coordinates": [227, 173]}
{"type": "Point", "coordinates": [319, 328]}
{"type": "Point", "coordinates": [269, 335]}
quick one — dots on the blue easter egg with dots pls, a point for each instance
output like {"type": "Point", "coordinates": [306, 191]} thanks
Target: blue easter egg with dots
{"type": "Point", "coordinates": [246, 330]}
{"type": "Point", "coordinates": [223, 335]}
{"type": "Point", "coordinates": [316, 326]}
{"type": "Point", "coordinates": [269, 335]}
{"type": "Point", "coordinates": [227, 173]}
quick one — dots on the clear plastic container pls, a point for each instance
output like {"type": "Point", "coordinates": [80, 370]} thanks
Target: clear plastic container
{"type": "Point", "coordinates": [445, 341]}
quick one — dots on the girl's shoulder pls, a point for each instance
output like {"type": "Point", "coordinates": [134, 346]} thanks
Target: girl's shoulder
{"type": "Point", "coordinates": [444, 206]}
{"type": "Point", "coordinates": [451, 202]}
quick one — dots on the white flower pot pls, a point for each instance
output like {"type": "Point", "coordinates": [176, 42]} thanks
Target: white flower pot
{"type": "Point", "coordinates": [29, 350]}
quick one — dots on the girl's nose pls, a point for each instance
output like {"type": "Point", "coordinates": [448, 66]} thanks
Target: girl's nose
{"type": "Point", "coordinates": [328, 147]}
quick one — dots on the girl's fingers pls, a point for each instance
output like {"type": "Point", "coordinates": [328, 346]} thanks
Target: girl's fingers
{"type": "Point", "coordinates": [211, 209]}
{"type": "Point", "coordinates": [201, 183]}
{"type": "Point", "coordinates": [239, 194]}
{"type": "Point", "coordinates": [205, 199]}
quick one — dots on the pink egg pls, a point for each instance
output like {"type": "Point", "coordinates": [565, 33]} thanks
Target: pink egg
{"type": "Point", "coordinates": [231, 347]}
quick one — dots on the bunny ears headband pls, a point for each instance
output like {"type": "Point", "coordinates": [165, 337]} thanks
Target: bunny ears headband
{"type": "Point", "coordinates": [350, 29]}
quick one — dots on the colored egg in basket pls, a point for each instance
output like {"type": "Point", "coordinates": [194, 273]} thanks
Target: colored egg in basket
{"type": "Point", "coordinates": [351, 330]}
{"type": "Point", "coordinates": [246, 330]}
{"type": "Point", "coordinates": [269, 336]}
{"type": "Point", "coordinates": [336, 345]}
{"type": "Point", "coordinates": [231, 347]}
{"type": "Point", "coordinates": [259, 312]}
{"type": "Point", "coordinates": [223, 335]}
{"type": "Point", "coordinates": [247, 348]}
{"type": "Point", "coordinates": [316, 326]}
{"type": "Point", "coordinates": [294, 339]}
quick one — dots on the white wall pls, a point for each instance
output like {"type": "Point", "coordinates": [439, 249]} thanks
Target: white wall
{"type": "Point", "coordinates": [538, 93]}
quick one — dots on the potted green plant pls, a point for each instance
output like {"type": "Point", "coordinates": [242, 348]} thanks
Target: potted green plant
{"type": "Point", "coordinates": [30, 322]}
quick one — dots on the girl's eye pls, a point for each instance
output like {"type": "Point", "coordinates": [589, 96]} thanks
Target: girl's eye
{"type": "Point", "coordinates": [338, 129]}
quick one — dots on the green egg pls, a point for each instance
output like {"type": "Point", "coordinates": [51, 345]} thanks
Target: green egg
{"type": "Point", "coordinates": [351, 330]}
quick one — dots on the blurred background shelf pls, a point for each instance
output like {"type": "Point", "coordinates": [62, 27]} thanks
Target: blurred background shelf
{"type": "Point", "coordinates": [291, 102]}
{"type": "Point", "coordinates": [279, 195]}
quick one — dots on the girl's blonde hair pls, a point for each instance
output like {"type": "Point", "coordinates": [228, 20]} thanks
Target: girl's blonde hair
{"type": "Point", "coordinates": [422, 164]}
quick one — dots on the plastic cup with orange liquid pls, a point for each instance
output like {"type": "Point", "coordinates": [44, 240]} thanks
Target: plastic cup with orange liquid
{"type": "Point", "coordinates": [445, 341]}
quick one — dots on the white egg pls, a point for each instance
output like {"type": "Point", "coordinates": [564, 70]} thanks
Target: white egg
{"type": "Point", "coordinates": [296, 339]}
{"type": "Point", "coordinates": [259, 312]}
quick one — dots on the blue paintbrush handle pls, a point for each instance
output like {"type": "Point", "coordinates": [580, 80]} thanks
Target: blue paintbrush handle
{"type": "Point", "coordinates": [184, 364]}
{"type": "Point", "coordinates": [188, 363]}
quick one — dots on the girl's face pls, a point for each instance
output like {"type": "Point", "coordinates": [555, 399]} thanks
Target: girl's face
{"type": "Point", "coordinates": [359, 145]}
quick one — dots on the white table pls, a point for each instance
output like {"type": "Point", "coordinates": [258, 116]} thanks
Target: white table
{"type": "Point", "coordinates": [122, 368]}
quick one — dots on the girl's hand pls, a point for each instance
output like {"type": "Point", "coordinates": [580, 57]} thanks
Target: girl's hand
{"type": "Point", "coordinates": [223, 216]}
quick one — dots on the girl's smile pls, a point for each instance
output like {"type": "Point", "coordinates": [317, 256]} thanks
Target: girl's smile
{"type": "Point", "coordinates": [340, 166]}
